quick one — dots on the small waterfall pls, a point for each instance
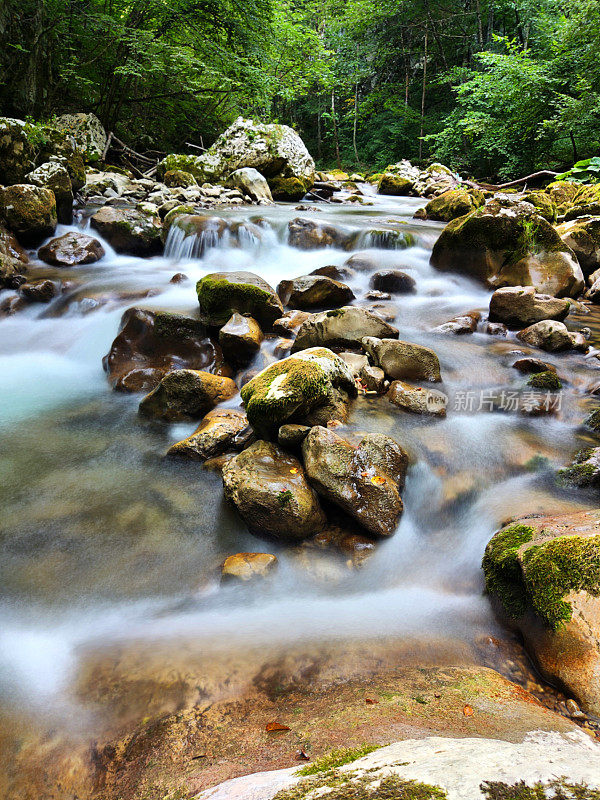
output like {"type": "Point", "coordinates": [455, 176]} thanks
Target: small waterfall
{"type": "Point", "coordinates": [183, 244]}
{"type": "Point", "coordinates": [386, 239]}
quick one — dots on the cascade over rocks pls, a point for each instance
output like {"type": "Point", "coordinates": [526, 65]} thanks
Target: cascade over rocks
{"type": "Point", "coordinates": [520, 306]}
{"type": "Point", "coordinates": [29, 212]}
{"type": "Point", "coordinates": [544, 576]}
{"type": "Point", "coordinates": [509, 247]}
{"type": "Point", "coordinates": [345, 326]}
{"type": "Point", "coordinates": [221, 430]}
{"type": "Point", "coordinates": [186, 394]}
{"type": "Point", "coordinates": [269, 489]}
{"type": "Point", "coordinates": [363, 479]}
{"type": "Point", "coordinates": [314, 291]}
{"type": "Point", "coordinates": [276, 151]}
{"type": "Point", "coordinates": [54, 176]}
{"type": "Point", "coordinates": [136, 232]}
{"type": "Point", "coordinates": [310, 387]}
{"type": "Point", "coordinates": [222, 293]}
{"type": "Point", "coordinates": [403, 360]}
{"type": "Point", "coordinates": [150, 344]}
{"type": "Point", "coordinates": [71, 249]}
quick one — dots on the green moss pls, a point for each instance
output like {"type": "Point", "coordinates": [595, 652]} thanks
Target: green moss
{"type": "Point", "coordinates": [284, 497]}
{"type": "Point", "coordinates": [176, 326]}
{"type": "Point", "coordinates": [582, 472]}
{"type": "Point", "coordinates": [560, 789]}
{"type": "Point", "coordinates": [288, 188]}
{"type": "Point", "coordinates": [544, 575]}
{"type": "Point", "coordinates": [502, 569]}
{"type": "Point", "coordinates": [220, 297]}
{"type": "Point", "coordinates": [337, 785]}
{"type": "Point", "coordinates": [544, 204]}
{"type": "Point", "coordinates": [593, 421]}
{"type": "Point", "coordinates": [304, 386]}
{"type": "Point", "coordinates": [548, 381]}
{"type": "Point", "coordinates": [337, 758]}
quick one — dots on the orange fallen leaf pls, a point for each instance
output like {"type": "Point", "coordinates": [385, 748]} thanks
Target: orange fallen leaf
{"type": "Point", "coordinates": [276, 727]}
{"type": "Point", "coordinates": [370, 701]}
{"type": "Point", "coordinates": [377, 480]}
{"type": "Point", "coordinates": [302, 756]}
{"type": "Point", "coordinates": [294, 470]}
{"type": "Point", "coordinates": [468, 711]}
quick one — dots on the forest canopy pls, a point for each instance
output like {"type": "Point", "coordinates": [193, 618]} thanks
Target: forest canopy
{"type": "Point", "coordinates": [493, 88]}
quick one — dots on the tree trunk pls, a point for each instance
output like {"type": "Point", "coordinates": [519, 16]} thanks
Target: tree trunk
{"type": "Point", "coordinates": [335, 130]}
{"type": "Point", "coordinates": [354, 127]}
{"type": "Point", "coordinates": [423, 93]}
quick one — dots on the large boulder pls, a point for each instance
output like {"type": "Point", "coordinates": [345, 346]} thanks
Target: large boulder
{"type": "Point", "coordinates": [250, 182]}
{"type": "Point", "coordinates": [452, 204]}
{"type": "Point", "coordinates": [403, 360]}
{"type": "Point", "coordinates": [362, 478]}
{"type": "Point", "coordinates": [394, 185]}
{"type": "Point", "coordinates": [29, 212]}
{"type": "Point", "coordinates": [71, 249]}
{"type": "Point", "coordinates": [345, 326]}
{"type": "Point", "coordinates": [520, 306]}
{"type": "Point", "coordinates": [276, 151]}
{"type": "Point", "coordinates": [87, 131]}
{"type": "Point", "coordinates": [583, 237]}
{"type": "Point", "coordinates": [314, 291]}
{"type": "Point", "coordinates": [222, 293]}
{"type": "Point", "coordinates": [186, 394]}
{"type": "Point", "coordinates": [150, 344]}
{"type": "Point", "coordinates": [17, 154]}
{"type": "Point", "coordinates": [544, 577]}
{"type": "Point", "coordinates": [55, 176]}
{"type": "Point", "coordinates": [310, 387]}
{"type": "Point", "coordinates": [131, 231]}
{"type": "Point", "coordinates": [509, 247]}
{"type": "Point", "coordinates": [269, 489]}
{"type": "Point", "coordinates": [221, 430]}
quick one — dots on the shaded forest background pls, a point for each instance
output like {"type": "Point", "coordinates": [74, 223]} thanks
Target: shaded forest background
{"type": "Point", "coordinates": [494, 88]}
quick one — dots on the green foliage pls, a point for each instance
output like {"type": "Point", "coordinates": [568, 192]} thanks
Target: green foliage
{"type": "Point", "coordinates": [586, 171]}
{"type": "Point", "coordinates": [561, 789]}
{"type": "Point", "coordinates": [337, 758]}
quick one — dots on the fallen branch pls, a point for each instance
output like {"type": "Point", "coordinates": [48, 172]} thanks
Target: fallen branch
{"type": "Point", "coordinates": [544, 173]}
{"type": "Point", "coordinates": [107, 146]}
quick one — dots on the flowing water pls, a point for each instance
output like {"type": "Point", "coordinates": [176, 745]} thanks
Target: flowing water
{"type": "Point", "coordinates": [105, 542]}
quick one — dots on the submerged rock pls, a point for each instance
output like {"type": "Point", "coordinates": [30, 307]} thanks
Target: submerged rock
{"type": "Point", "coordinates": [544, 575]}
{"type": "Point", "coordinates": [221, 430]}
{"type": "Point", "coordinates": [222, 293]}
{"type": "Point", "coordinates": [29, 212]}
{"type": "Point", "coordinates": [417, 399]}
{"type": "Point", "coordinates": [71, 249]}
{"type": "Point", "coordinates": [244, 567]}
{"type": "Point", "coordinates": [314, 291]}
{"type": "Point", "coordinates": [547, 335]}
{"type": "Point", "coordinates": [131, 231]}
{"type": "Point", "coordinates": [529, 366]}
{"type": "Point", "coordinates": [186, 394]}
{"type": "Point", "coordinates": [363, 480]}
{"type": "Point", "coordinates": [520, 306]}
{"type": "Point", "coordinates": [401, 360]}
{"type": "Point", "coordinates": [345, 326]}
{"type": "Point", "coordinates": [41, 291]}
{"type": "Point", "coordinates": [509, 247]}
{"type": "Point", "coordinates": [150, 344]}
{"type": "Point", "coordinates": [269, 489]}
{"type": "Point", "coordinates": [310, 387]}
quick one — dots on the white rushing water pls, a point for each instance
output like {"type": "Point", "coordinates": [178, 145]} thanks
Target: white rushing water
{"type": "Point", "coordinates": [102, 540]}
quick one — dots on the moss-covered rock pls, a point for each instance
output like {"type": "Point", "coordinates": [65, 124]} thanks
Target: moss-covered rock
{"type": "Point", "coordinates": [222, 293]}
{"type": "Point", "coordinates": [509, 247]}
{"type": "Point", "coordinates": [583, 237]}
{"type": "Point", "coordinates": [17, 154]}
{"type": "Point", "coordinates": [179, 178]}
{"type": "Point", "coordinates": [133, 231]}
{"type": "Point", "coordinates": [87, 131]}
{"type": "Point", "coordinates": [547, 381]}
{"type": "Point", "coordinates": [13, 260]}
{"type": "Point", "coordinates": [452, 204]}
{"type": "Point", "coordinates": [186, 394]}
{"type": "Point", "coordinates": [584, 470]}
{"type": "Point", "coordinates": [543, 203]}
{"type": "Point", "coordinates": [544, 575]}
{"type": "Point", "coordinates": [310, 387]}
{"type": "Point", "coordinates": [362, 479]}
{"type": "Point", "coordinates": [29, 212]}
{"type": "Point", "coordinates": [269, 489]}
{"type": "Point", "coordinates": [394, 185]}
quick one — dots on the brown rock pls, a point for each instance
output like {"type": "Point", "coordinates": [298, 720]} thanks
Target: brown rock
{"type": "Point", "coordinates": [186, 394]}
{"type": "Point", "coordinates": [41, 291]}
{"type": "Point", "coordinates": [240, 339]}
{"type": "Point", "coordinates": [417, 399]}
{"type": "Point", "coordinates": [314, 291]}
{"type": "Point", "coordinates": [248, 566]}
{"type": "Point", "coordinates": [71, 249]}
{"type": "Point", "coordinates": [221, 429]}
{"type": "Point", "coordinates": [394, 281]}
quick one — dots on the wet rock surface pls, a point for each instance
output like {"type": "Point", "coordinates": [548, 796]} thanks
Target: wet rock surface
{"type": "Point", "coordinates": [29, 212]}
{"type": "Point", "coordinates": [401, 360]}
{"type": "Point", "coordinates": [71, 249]}
{"type": "Point", "coordinates": [186, 394]}
{"type": "Point", "coordinates": [343, 326]}
{"type": "Point", "coordinates": [314, 291]}
{"type": "Point", "coordinates": [221, 430]}
{"type": "Point", "coordinates": [521, 306]}
{"type": "Point", "coordinates": [222, 293]}
{"type": "Point", "coordinates": [131, 231]}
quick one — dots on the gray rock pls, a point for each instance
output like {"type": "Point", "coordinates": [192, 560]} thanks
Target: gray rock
{"type": "Point", "coordinates": [521, 306]}
{"type": "Point", "coordinates": [345, 326]}
{"type": "Point", "coordinates": [547, 335]}
{"type": "Point", "coordinates": [400, 360]}
{"type": "Point", "coordinates": [417, 399]}
{"type": "Point", "coordinates": [251, 183]}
